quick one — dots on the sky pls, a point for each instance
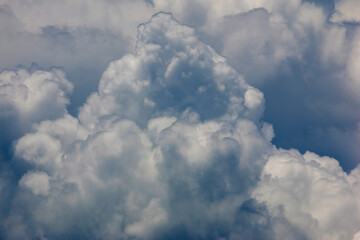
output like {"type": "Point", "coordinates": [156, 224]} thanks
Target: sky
{"type": "Point", "coordinates": [201, 119]}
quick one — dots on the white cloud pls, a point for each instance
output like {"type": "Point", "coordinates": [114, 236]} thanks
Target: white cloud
{"type": "Point", "coordinates": [151, 169]}
{"type": "Point", "coordinates": [172, 143]}
{"type": "Point", "coordinates": [346, 11]}
{"type": "Point", "coordinates": [37, 182]}
{"type": "Point", "coordinates": [27, 97]}
{"type": "Point", "coordinates": [171, 168]}
{"type": "Point", "coordinates": [33, 96]}
{"type": "Point", "coordinates": [253, 98]}
{"type": "Point", "coordinates": [313, 192]}
{"type": "Point", "coordinates": [169, 57]}
{"type": "Point", "coordinates": [267, 41]}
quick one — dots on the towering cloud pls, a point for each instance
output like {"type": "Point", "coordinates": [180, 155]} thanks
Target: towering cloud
{"type": "Point", "coordinates": [171, 146]}
{"type": "Point", "coordinates": [302, 54]}
{"type": "Point", "coordinates": [161, 141]}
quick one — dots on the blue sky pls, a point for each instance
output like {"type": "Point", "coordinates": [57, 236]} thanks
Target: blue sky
{"type": "Point", "coordinates": [179, 119]}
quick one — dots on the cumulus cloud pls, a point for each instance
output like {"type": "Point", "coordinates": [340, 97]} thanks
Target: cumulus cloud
{"type": "Point", "coordinates": [169, 57]}
{"type": "Point", "coordinates": [82, 50]}
{"type": "Point", "coordinates": [164, 167]}
{"type": "Point", "coordinates": [27, 97]}
{"type": "Point", "coordinates": [296, 57]}
{"type": "Point", "coordinates": [172, 144]}
{"type": "Point", "coordinates": [274, 44]}
{"type": "Point", "coordinates": [305, 65]}
{"type": "Point", "coordinates": [313, 193]}
{"type": "Point", "coordinates": [35, 95]}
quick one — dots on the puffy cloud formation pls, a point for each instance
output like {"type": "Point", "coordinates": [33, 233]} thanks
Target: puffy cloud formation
{"type": "Point", "coordinates": [82, 50]}
{"type": "Point", "coordinates": [35, 95]}
{"type": "Point", "coordinates": [312, 192]}
{"type": "Point", "coordinates": [172, 146]}
{"type": "Point", "coordinates": [168, 58]}
{"type": "Point", "coordinates": [301, 54]}
{"type": "Point", "coordinates": [27, 97]}
{"type": "Point", "coordinates": [305, 64]}
{"type": "Point", "coordinates": [156, 152]}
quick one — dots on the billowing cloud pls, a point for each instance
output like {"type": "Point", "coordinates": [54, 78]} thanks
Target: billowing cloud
{"type": "Point", "coordinates": [33, 96]}
{"type": "Point", "coordinates": [172, 146]}
{"type": "Point", "coordinates": [173, 143]}
{"type": "Point", "coordinates": [162, 140]}
{"type": "Point", "coordinates": [312, 192]}
{"type": "Point", "coordinates": [82, 50]}
{"type": "Point", "coordinates": [307, 47]}
{"type": "Point", "coordinates": [152, 82]}
{"type": "Point", "coordinates": [27, 97]}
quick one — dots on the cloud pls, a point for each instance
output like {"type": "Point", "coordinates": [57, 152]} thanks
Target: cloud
{"type": "Point", "coordinates": [274, 44]}
{"type": "Point", "coordinates": [101, 15]}
{"type": "Point", "coordinates": [82, 51]}
{"type": "Point", "coordinates": [37, 182]}
{"type": "Point", "coordinates": [304, 65]}
{"type": "Point", "coordinates": [169, 168]}
{"type": "Point", "coordinates": [296, 57]}
{"type": "Point", "coordinates": [346, 11]}
{"type": "Point", "coordinates": [27, 97]}
{"type": "Point", "coordinates": [313, 192]}
{"type": "Point", "coordinates": [303, 62]}
{"type": "Point", "coordinates": [173, 145]}
{"type": "Point", "coordinates": [353, 62]}
{"type": "Point", "coordinates": [169, 57]}
{"type": "Point", "coordinates": [35, 95]}
{"type": "Point", "coordinates": [262, 42]}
